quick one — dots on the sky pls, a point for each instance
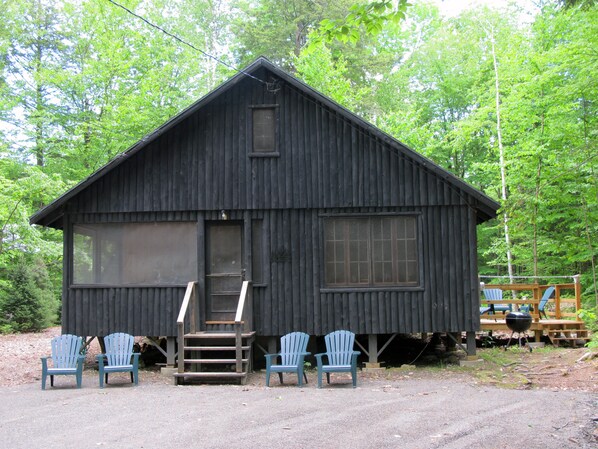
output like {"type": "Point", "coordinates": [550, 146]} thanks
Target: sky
{"type": "Point", "coordinates": [452, 8]}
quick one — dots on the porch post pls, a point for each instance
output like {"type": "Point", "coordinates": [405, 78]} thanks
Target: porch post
{"type": "Point", "coordinates": [471, 349]}
{"type": "Point", "coordinates": [170, 351]}
{"type": "Point", "coordinates": [272, 341]}
{"type": "Point", "coordinates": [373, 348]}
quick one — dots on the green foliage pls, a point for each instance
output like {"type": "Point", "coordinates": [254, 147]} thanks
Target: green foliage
{"type": "Point", "coordinates": [590, 318]}
{"type": "Point", "coordinates": [369, 18]}
{"type": "Point", "coordinates": [27, 301]}
{"type": "Point", "coordinates": [277, 29]}
{"type": "Point", "coordinates": [318, 68]}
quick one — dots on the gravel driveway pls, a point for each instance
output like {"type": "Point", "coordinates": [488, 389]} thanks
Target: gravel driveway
{"type": "Point", "coordinates": [439, 413]}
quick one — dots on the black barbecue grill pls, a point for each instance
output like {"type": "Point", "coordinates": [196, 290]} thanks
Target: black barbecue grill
{"type": "Point", "coordinates": [518, 322]}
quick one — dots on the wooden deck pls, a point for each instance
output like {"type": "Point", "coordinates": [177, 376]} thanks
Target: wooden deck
{"type": "Point", "coordinates": [557, 330]}
{"type": "Point", "coordinates": [562, 323]}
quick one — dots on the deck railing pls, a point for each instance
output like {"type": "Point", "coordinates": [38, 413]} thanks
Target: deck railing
{"type": "Point", "coordinates": [537, 292]}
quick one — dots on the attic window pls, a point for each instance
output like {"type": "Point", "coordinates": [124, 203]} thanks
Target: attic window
{"type": "Point", "coordinates": [263, 130]}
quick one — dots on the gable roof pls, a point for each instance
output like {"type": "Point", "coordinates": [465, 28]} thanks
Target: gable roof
{"type": "Point", "coordinates": [51, 214]}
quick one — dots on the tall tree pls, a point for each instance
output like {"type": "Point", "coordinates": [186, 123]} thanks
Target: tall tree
{"type": "Point", "coordinates": [278, 29]}
{"type": "Point", "coordinates": [32, 56]}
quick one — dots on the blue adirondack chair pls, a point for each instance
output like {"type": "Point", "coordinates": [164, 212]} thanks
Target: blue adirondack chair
{"type": "Point", "coordinates": [494, 294]}
{"type": "Point", "coordinates": [542, 304]}
{"type": "Point", "coordinates": [119, 352]}
{"type": "Point", "coordinates": [66, 359]}
{"type": "Point", "coordinates": [340, 354]}
{"type": "Point", "coordinates": [292, 354]}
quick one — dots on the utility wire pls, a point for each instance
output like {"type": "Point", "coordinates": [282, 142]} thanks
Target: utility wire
{"type": "Point", "coordinates": [273, 87]}
{"type": "Point", "coordinates": [175, 37]}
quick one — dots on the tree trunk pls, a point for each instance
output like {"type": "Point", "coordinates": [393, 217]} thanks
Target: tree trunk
{"type": "Point", "coordinates": [503, 176]}
{"type": "Point", "coordinates": [584, 202]}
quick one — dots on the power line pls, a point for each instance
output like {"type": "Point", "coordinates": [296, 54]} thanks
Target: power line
{"type": "Point", "coordinates": [274, 87]}
{"type": "Point", "coordinates": [174, 36]}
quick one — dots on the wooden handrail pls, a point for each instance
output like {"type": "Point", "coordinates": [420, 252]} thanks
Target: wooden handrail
{"type": "Point", "coordinates": [185, 304]}
{"type": "Point", "coordinates": [241, 303]}
{"type": "Point", "coordinates": [189, 303]}
{"type": "Point", "coordinates": [238, 327]}
{"type": "Point", "coordinates": [188, 299]}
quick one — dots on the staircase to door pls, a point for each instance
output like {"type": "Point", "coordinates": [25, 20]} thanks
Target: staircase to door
{"type": "Point", "coordinates": [212, 356]}
{"type": "Point", "coordinates": [221, 352]}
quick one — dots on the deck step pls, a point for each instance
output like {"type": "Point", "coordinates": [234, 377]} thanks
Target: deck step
{"type": "Point", "coordinates": [215, 348]}
{"type": "Point", "coordinates": [227, 361]}
{"type": "Point", "coordinates": [223, 340]}
{"type": "Point", "coordinates": [215, 323]}
{"type": "Point", "coordinates": [569, 338]}
{"type": "Point", "coordinates": [216, 335]}
{"type": "Point", "coordinates": [568, 331]}
{"type": "Point", "coordinates": [210, 375]}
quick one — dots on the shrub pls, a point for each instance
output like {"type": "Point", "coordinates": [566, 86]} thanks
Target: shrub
{"type": "Point", "coordinates": [27, 303]}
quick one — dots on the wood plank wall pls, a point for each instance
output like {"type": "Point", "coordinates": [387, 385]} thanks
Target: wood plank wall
{"type": "Point", "coordinates": [326, 165]}
{"type": "Point", "coordinates": [292, 295]}
{"type": "Point", "coordinates": [325, 162]}
{"type": "Point", "coordinates": [138, 311]}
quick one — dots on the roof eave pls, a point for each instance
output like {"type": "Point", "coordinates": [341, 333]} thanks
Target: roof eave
{"type": "Point", "coordinates": [486, 206]}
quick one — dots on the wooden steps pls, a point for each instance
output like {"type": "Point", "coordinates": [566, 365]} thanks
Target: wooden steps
{"type": "Point", "coordinates": [212, 356]}
{"type": "Point", "coordinates": [573, 332]}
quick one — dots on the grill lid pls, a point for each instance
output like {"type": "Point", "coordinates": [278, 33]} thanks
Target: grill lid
{"type": "Point", "coordinates": [519, 321]}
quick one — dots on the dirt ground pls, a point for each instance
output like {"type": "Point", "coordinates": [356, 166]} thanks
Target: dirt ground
{"type": "Point", "coordinates": [547, 368]}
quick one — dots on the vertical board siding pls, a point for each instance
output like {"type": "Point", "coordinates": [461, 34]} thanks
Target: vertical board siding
{"type": "Point", "coordinates": [292, 298]}
{"type": "Point", "coordinates": [325, 161]}
{"type": "Point", "coordinates": [139, 311]}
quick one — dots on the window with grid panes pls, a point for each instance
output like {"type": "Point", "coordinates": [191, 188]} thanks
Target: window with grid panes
{"type": "Point", "coordinates": [371, 252]}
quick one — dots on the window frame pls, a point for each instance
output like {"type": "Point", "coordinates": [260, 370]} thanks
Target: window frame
{"type": "Point", "coordinates": [251, 150]}
{"type": "Point", "coordinates": [372, 285]}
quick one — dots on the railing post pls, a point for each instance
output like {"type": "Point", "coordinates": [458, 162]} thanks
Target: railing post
{"type": "Point", "coordinates": [181, 343]}
{"type": "Point", "coordinates": [238, 347]}
{"type": "Point", "coordinates": [577, 293]}
{"type": "Point", "coordinates": [557, 302]}
{"type": "Point", "coordinates": [193, 305]}
{"type": "Point", "coordinates": [239, 324]}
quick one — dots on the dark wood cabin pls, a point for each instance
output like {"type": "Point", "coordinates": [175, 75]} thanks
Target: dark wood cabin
{"type": "Point", "coordinates": [333, 223]}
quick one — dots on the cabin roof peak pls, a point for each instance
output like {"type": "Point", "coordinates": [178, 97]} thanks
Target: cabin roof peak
{"type": "Point", "coordinates": [486, 208]}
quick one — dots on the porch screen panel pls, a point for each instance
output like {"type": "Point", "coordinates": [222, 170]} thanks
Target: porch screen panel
{"type": "Point", "coordinates": [135, 254]}
{"type": "Point", "coordinates": [84, 242]}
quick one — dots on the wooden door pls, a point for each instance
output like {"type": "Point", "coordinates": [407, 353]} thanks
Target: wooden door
{"type": "Point", "coordinates": [224, 269]}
